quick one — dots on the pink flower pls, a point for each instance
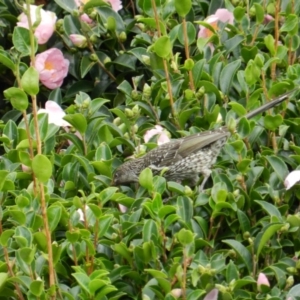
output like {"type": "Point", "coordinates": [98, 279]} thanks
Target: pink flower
{"type": "Point", "coordinates": [223, 15]}
{"type": "Point", "coordinates": [212, 295]}
{"type": "Point", "coordinates": [268, 19]}
{"type": "Point", "coordinates": [78, 40]}
{"type": "Point", "coordinates": [45, 29]}
{"type": "Point", "coordinates": [158, 130]}
{"type": "Point", "coordinates": [52, 67]}
{"type": "Point", "coordinates": [55, 113]}
{"type": "Point", "coordinates": [116, 4]}
{"type": "Point", "coordinates": [262, 280]}
{"type": "Point", "coordinates": [176, 293]}
{"type": "Point", "coordinates": [292, 179]}
{"type": "Point", "coordinates": [84, 17]}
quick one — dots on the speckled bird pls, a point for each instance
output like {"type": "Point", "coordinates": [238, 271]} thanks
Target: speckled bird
{"type": "Point", "coordinates": [187, 157]}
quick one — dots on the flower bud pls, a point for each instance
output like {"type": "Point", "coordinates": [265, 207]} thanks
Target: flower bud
{"type": "Point", "coordinates": [252, 11]}
{"type": "Point", "coordinates": [176, 293]}
{"type": "Point", "coordinates": [289, 282]}
{"type": "Point", "coordinates": [136, 111]}
{"type": "Point", "coordinates": [135, 95]}
{"type": "Point", "coordinates": [93, 14]}
{"type": "Point", "coordinates": [128, 113]}
{"type": "Point", "coordinates": [106, 60]}
{"type": "Point", "coordinates": [141, 26]}
{"type": "Point", "coordinates": [146, 60]}
{"type": "Point", "coordinates": [78, 40]}
{"type": "Point", "coordinates": [93, 57]}
{"type": "Point", "coordinates": [94, 39]}
{"type": "Point", "coordinates": [246, 235]}
{"type": "Point", "coordinates": [262, 281]}
{"type": "Point", "coordinates": [86, 103]}
{"type": "Point", "coordinates": [189, 64]}
{"type": "Point", "coordinates": [122, 37]}
{"type": "Point", "coordinates": [188, 191]}
{"type": "Point", "coordinates": [200, 92]}
{"type": "Point", "coordinates": [146, 91]}
{"type": "Point", "coordinates": [188, 94]}
{"type": "Point", "coordinates": [117, 121]}
{"type": "Point", "coordinates": [135, 128]}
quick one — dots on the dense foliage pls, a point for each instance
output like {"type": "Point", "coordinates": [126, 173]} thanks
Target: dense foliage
{"type": "Point", "coordinates": [118, 70]}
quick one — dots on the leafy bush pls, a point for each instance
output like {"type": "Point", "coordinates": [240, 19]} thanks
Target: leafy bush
{"type": "Point", "coordinates": [66, 232]}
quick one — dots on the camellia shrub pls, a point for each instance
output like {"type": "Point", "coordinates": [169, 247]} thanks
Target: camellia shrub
{"type": "Point", "coordinates": [88, 84]}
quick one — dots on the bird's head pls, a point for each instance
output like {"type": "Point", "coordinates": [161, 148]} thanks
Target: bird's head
{"type": "Point", "coordinates": [124, 174]}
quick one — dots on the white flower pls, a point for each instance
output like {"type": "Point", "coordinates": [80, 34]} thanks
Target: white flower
{"type": "Point", "coordinates": [55, 114]}
{"type": "Point", "coordinates": [158, 130]}
{"type": "Point", "coordinates": [292, 179]}
{"type": "Point", "coordinates": [212, 295]}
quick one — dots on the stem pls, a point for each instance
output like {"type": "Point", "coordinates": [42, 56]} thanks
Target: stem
{"type": "Point", "coordinates": [169, 88]}
{"type": "Point", "coordinates": [39, 151]}
{"type": "Point", "coordinates": [185, 264]}
{"type": "Point", "coordinates": [101, 65]}
{"type": "Point", "coordinates": [187, 53]}
{"type": "Point", "coordinates": [9, 267]}
{"type": "Point", "coordinates": [156, 17]}
{"type": "Point", "coordinates": [276, 36]}
{"type": "Point", "coordinates": [48, 237]}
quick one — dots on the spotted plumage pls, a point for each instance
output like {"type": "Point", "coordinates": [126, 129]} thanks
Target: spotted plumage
{"type": "Point", "coordinates": [186, 157]}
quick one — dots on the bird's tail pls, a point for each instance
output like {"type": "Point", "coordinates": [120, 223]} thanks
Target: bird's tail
{"type": "Point", "coordinates": [269, 105]}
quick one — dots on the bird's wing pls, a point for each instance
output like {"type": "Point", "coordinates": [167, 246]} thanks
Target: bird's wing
{"type": "Point", "coordinates": [164, 154]}
{"type": "Point", "coordinates": [195, 142]}
{"type": "Point", "coordinates": [175, 150]}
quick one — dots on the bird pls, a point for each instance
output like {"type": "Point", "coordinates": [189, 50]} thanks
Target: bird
{"type": "Point", "coordinates": [186, 157]}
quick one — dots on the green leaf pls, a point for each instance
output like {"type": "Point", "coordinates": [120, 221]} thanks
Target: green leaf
{"type": "Point", "coordinates": [68, 6]}
{"type": "Point", "coordinates": [6, 60]}
{"type": "Point", "coordinates": [21, 41]}
{"type": "Point", "coordinates": [268, 232]}
{"type": "Point", "coordinates": [30, 81]}
{"type": "Point", "coordinates": [291, 24]}
{"type": "Point", "coordinates": [122, 249]}
{"type": "Point", "coordinates": [105, 222]}
{"type": "Point", "coordinates": [259, 13]}
{"type": "Point", "coordinates": [146, 179]}
{"type": "Point", "coordinates": [162, 47]}
{"type": "Point", "coordinates": [273, 122]}
{"type": "Point", "coordinates": [185, 208]}
{"type": "Point", "coordinates": [27, 254]}
{"type": "Point", "coordinates": [17, 97]}
{"type": "Point", "coordinates": [5, 236]}
{"type": "Point", "coordinates": [191, 33]}
{"type": "Point", "coordinates": [54, 215]}
{"type": "Point", "coordinates": [3, 175]}
{"type": "Point", "coordinates": [242, 252]}
{"type": "Point", "coordinates": [85, 65]}
{"type": "Point", "coordinates": [185, 237]}
{"type": "Point", "coordinates": [270, 209]}
{"type": "Point", "coordinates": [239, 13]}
{"type": "Point", "coordinates": [294, 291]}
{"type": "Point", "coordinates": [243, 221]}
{"type": "Point", "coordinates": [42, 167]}
{"type": "Point", "coordinates": [270, 43]}
{"type": "Point", "coordinates": [37, 287]}
{"type": "Point", "coordinates": [83, 280]}
{"type": "Point", "coordinates": [183, 7]}
{"type": "Point", "coordinates": [78, 121]}
{"type": "Point", "coordinates": [3, 278]}
{"type": "Point", "coordinates": [150, 230]}
{"type": "Point", "coordinates": [227, 75]}
{"type": "Point", "coordinates": [278, 166]}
